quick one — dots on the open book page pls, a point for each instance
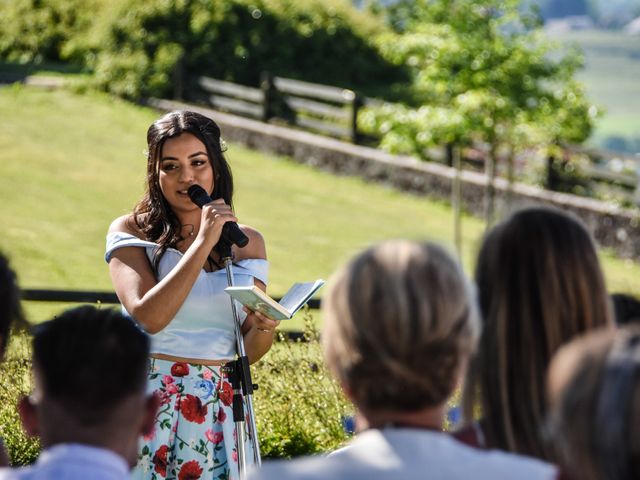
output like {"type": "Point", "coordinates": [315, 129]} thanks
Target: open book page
{"type": "Point", "coordinates": [257, 300]}
{"type": "Point", "coordinates": [299, 294]}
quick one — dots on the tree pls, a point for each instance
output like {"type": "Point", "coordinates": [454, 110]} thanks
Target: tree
{"type": "Point", "coordinates": [483, 73]}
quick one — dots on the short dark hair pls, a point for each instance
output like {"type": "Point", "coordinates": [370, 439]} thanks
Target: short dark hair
{"type": "Point", "coordinates": [10, 307]}
{"type": "Point", "coordinates": [89, 360]}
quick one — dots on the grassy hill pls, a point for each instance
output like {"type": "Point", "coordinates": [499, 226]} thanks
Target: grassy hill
{"type": "Point", "coordinates": [70, 163]}
{"type": "Point", "coordinates": [612, 69]}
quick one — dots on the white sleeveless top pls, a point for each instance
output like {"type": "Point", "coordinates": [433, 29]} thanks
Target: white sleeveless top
{"type": "Point", "coordinates": [203, 327]}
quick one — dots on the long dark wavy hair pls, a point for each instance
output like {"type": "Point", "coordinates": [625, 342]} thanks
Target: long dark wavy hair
{"type": "Point", "coordinates": [153, 214]}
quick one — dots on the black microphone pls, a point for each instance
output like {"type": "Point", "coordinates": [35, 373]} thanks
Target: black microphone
{"type": "Point", "coordinates": [231, 233]}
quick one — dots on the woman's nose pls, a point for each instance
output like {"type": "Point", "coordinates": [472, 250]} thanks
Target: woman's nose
{"type": "Point", "coordinates": [186, 175]}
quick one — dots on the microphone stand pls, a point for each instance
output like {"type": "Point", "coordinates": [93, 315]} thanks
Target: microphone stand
{"type": "Point", "coordinates": [239, 375]}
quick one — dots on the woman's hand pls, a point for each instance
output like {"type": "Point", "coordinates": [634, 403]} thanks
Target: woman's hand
{"type": "Point", "coordinates": [260, 321]}
{"type": "Point", "coordinates": [213, 217]}
{"type": "Point", "coordinates": [258, 331]}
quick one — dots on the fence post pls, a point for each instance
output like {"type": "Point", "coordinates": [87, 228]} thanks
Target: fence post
{"type": "Point", "coordinates": [455, 155]}
{"type": "Point", "coordinates": [178, 78]}
{"type": "Point", "coordinates": [551, 180]}
{"type": "Point", "coordinates": [636, 191]}
{"type": "Point", "coordinates": [266, 85]}
{"type": "Point", "coordinates": [356, 103]}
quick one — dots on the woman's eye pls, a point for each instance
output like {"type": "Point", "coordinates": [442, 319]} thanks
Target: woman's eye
{"type": "Point", "coordinates": [168, 167]}
{"type": "Point", "coordinates": [198, 163]}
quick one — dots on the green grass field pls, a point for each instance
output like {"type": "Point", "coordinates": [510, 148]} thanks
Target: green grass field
{"type": "Point", "coordinates": [611, 73]}
{"type": "Point", "coordinates": [70, 163]}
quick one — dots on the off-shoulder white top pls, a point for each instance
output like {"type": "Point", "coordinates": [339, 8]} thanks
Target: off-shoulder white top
{"type": "Point", "coordinates": [203, 327]}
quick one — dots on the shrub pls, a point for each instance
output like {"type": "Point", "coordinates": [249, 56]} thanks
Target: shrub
{"type": "Point", "coordinates": [15, 373]}
{"type": "Point", "coordinates": [37, 30]}
{"type": "Point", "coordinates": [298, 407]}
{"type": "Point", "coordinates": [143, 44]}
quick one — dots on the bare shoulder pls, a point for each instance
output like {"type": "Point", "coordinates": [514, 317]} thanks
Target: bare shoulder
{"type": "Point", "coordinates": [255, 248]}
{"type": "Point", "coordinates": [126, 224]}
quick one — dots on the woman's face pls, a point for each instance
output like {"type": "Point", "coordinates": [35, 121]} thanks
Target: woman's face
{"type": "Point", "coordinates": [184, 162]}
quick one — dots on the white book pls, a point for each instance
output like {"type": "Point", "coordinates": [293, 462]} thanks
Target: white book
{"type": "Point", "coordinates": [255, 299]}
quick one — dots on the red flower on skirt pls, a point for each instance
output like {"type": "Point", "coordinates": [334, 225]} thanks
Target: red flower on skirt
{"type": "Point", "coordinates": [190, 470]}
{"type": "Point", "coordinates": [221, 416]}
{"type": "Point", "coordinates": [179, 369]}
{"type": "Point", "coordinates": [192, 409]}
{"type": "Point", "coordinates": [160, 460]}
{"type": "Point", "coordinates": [226, 393]}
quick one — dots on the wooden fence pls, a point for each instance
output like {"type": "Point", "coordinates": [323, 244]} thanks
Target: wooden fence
{"type": "Point", "coordinates": [110, 298]}
{"type": "Point", "coordinates": [90, 296]}
{"type": "Point", "coordinates": [328, 110]}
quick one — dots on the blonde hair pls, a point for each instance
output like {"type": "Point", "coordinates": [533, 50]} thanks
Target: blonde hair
{"type": "Point", "coordinates": [539, 285]}
{"type": "Point", "coordinates": [595, 405]}
{"type": "Point", "coordinates": [398, 322]}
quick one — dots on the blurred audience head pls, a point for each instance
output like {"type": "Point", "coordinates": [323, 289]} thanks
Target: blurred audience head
{"type": "Point", "coordinates": [626, 308]}
{"type": "Point", "coordinates": [90, 370]}
{"type": "Point", "coordinates": [539, 284]}
{"type": "Point", "coordinates": [399, 325]}
{"type": "Point", "coordinates": [594, 393]}
{"type": "Point", "coordinates": [10, 307]}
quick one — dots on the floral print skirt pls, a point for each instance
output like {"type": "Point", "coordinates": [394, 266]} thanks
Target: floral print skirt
{"type": "Point", "coordinates": [194, 435]}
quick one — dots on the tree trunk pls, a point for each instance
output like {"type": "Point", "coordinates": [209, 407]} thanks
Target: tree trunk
{"type": "Point", "coordinates": [511, 177]}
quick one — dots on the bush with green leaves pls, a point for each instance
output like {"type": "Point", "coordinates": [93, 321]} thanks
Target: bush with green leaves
{"type": "Point", "coordinates": [138, 48]}
{"type": "Point", "coordinates": [299, 407]}
{"type": "Point", "coordinates": [15, 381]}
{"type": "Point", "coordinates": [38, 30]}
{"type": "Point", "coordinates": [144, 44]}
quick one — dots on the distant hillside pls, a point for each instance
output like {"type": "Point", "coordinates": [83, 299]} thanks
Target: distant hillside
{"type": "Point", "coordinates": [618, 94]}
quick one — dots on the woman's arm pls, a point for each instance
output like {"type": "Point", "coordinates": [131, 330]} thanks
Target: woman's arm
{"type": "Point", "coordinates": [154, 304]}
{"type": "Point", "coordinates": [258, 330]}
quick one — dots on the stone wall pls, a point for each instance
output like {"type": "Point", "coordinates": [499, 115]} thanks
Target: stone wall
{"type": "Point", "coordinates": [612, 227]}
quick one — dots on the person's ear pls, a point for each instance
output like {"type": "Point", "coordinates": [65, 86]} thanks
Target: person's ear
{"type": "Point", "coordinates": [28, 411]}
{"type": "Point", "coordinates": [151, 407]}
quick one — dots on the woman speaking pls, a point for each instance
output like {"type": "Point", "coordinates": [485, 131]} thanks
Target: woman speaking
{"type": "Point", "coordinates": [171, 280]}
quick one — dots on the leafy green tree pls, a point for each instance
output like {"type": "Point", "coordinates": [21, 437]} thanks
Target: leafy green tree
{"type": "Point", "coordinates": [483, 73]}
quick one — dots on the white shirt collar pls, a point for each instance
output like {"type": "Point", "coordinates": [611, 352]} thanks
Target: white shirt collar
{"type": "Point", "coordinates": [96, 457]}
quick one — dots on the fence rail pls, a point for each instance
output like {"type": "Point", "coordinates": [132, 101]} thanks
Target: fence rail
{"type": "Point", "coordinates": [89, 296]}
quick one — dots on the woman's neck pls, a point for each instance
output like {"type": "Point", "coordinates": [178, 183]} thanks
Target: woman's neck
{"type": "Point", "coordinates": [189, 218]}
{"type": "Point", "coordinates": [428, 418]}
